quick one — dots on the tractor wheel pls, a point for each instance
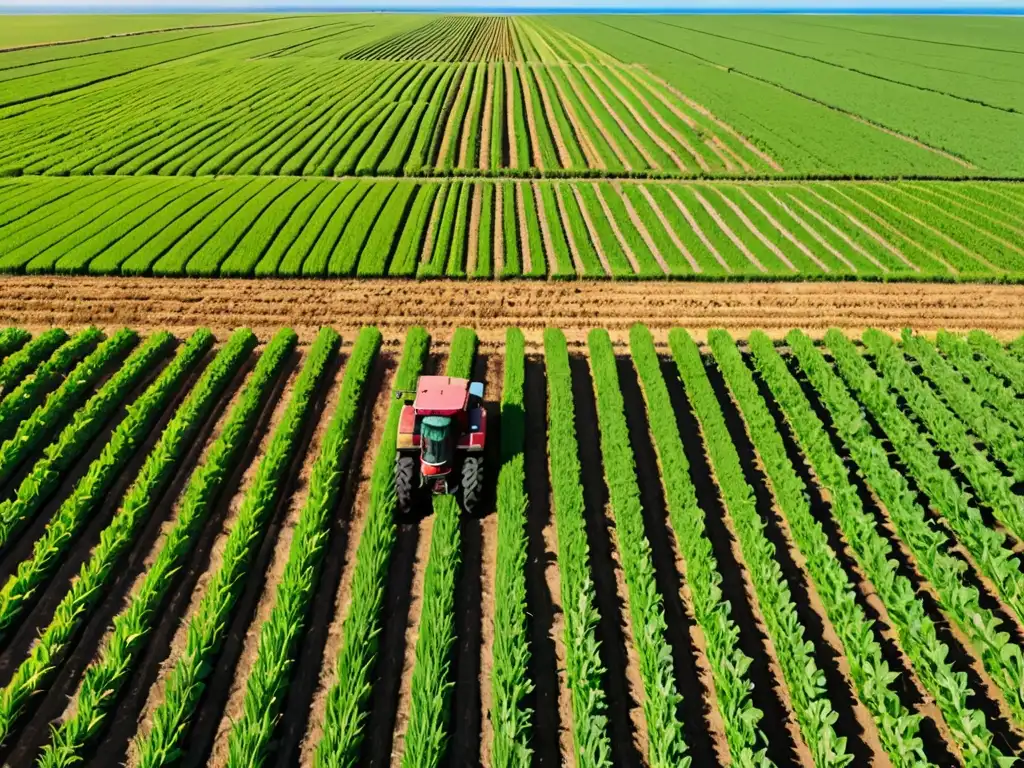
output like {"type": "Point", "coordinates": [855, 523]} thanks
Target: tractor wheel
{"type": "Point", "coordinates": [407, 484]}
{"type": "Point", "coordinates": [472, 484]}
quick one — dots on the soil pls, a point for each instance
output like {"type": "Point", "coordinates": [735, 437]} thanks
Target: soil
{"type": "Point", "coordinates": [181, 304]}
{"type": "Point", "coordinates": [510, 112]}
{"type": "Point", "coordinates": [556, 131]}
{"type": "Point", "coordinates": [531, 119]}
{"type": "Point", "coordinates": [456, 122]}
{"type": "Point", "coordinates": [545, 232]}
{"type": "Point", "coordinates": [594, 159]}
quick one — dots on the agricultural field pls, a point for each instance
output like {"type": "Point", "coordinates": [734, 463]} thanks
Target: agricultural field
{"type": "Point", "coordinates": [512, 146]}
{"type": "Point", "coordinates": [700, 550]}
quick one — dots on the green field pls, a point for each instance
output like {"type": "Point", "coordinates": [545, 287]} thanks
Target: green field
{"type": "Point", "coordinates": [616, 146]}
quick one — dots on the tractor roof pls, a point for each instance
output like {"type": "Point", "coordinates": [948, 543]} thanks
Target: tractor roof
{"type": "Point", "coordinates": [441, 395]}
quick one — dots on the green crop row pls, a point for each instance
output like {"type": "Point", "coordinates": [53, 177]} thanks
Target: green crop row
{"type": "Point", "coordinates": [47, 473]}
{"type": "Point", "coordinates": [106, 676]}
{"type": "Point", "coordinates": [208, 626]}
{"type": "Point", "coordinates": [19, 363]}
{"type": "Point", "coordinates": [250, 739]}
{"type": "Point", "coordinates": [729, 666]}
{"type": "Point", "coordinates": [584, 669]}
{"type": "Point", "coordinates": [804, 681]}
{"type": "Point", "coordinates": [95, 574]}
{"type": "Point", "coordinates": [11, 340]}
{"type": "Point", "coordinates": [344, 721]}
{"type": "Point", "coordinates": [430, 711]}
{"type": "Point", "coordinates": [995, 358]}
{"type": "Point", "coordinates": [61, 403]}
{"type": "Point", "coordinates": [918, 634]}
{"type": "Point", "coordinates": [873, 679]}
{"type": "Point", "coordinates": [990, 386]}
{"type": "Point", "coordinates": [662, 699]}
{"type": "Point", "coordinates": [510, 681]}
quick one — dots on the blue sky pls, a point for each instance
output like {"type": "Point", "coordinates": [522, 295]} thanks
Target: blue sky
{"type": "Point", "coordinates": [825, 5]}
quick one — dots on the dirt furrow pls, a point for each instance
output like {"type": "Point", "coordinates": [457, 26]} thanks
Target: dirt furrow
{"type": "Point", "coordinates": [428, 241]}
{"type": "Point", "coordinates": [545, 231]}
{"type": "Point", "coordinates": [531, 119]}
{"type": "Point", "coordinates": [605, 133]}
{"type": "Point", "coordinates": [553, 126]}
{"type": "Point", "coordinates": [594, 159]}
{"type": "Point", "coordinates": [510, 111]}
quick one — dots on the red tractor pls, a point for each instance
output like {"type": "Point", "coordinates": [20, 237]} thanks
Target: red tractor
{"type": "Point", "coordinates": [441, 436]}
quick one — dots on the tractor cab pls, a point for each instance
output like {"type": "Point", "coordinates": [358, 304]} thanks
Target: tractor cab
{"type": "Point", "coordinates": [441, 436]}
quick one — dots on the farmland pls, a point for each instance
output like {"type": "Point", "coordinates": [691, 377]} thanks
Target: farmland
{"type": "Point", "coordinates": [781, 550]}
{"type": "Point", "coordinates": [372, 145]}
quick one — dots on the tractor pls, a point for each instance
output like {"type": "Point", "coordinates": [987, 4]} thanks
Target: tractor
{"type": "Point", "coordinates": [441, 435]}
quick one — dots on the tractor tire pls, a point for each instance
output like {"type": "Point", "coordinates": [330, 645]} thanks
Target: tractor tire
{"type": "Point", "coordinates": [407, 485]}
{"type": "Point", "coordinates": [472, 484]}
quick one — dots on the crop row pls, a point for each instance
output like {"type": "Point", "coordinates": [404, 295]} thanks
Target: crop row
{"type": "Point", "coordinates": [414, 116]}
{"type": "Point", "coordinates": [846, 505]}
{"type": "Point", "coordinates": [304, 227]}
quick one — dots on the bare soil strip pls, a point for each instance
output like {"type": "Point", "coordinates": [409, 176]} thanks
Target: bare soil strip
{"type": "Point", "coordinates": [594, 239]}
{"type": "Point", "coordinates": [757, 232]}
{"type": "Point", "coordinates": [531, 119]}
{"type": "Point", "coordinates": [785, 232]}
{"type": "Point", "coordinates": [182, 304]}
{"type": "Point", "coordinates": [710, 116]}
{"type": "Point", "coordinates": [524, 232]}
{"type": "Point", "coordinates": [339, 602]}
{"type": "Point", "coordinates": [473, 245]}
{"type": "Point", "coordinates": [613, 113]}
{"type": "Point", "coordinates": [639, 224]}
{"type": "Point", "coordinates": [610, 218]}
{"type": "Point", "coordinates": [484, 161]}
{"type": "Point", "coordinates": [812, 231]}
{"type": "Point", "coordinates": [498, 230]}
{"type": "Point", "coordinates": [570, 238]}
{"type": "Point", "coordinates": [510, 119]}
{"type": "Point", "coordinates": [670, 231]}
{"type": "Point", "coordinates": [869, 232]}
{"type": "Point", "coordinates": [700, 232]}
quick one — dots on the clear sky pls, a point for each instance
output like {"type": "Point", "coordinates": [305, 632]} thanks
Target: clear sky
{"type": "Point", "coordinates": [866, 5]}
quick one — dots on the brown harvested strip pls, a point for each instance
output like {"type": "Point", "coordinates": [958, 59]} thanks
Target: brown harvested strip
{"type": "Point", "coordinates": [840, 234]}
{"type": "Point", "coordinates": [473, 246]}
{"type": "Point", "coordinates": [498, 229]}
{"type": "Point", "coordinates": [713, 213]}
{"type": "Point", "coordinates": [265, 305]}
{"type": "Point", "coordinates": [696, 228]}
{"type": "Point", "coordinates": [556, 131]}
{"type": "Point", "coordinates": [710, 116]}
{"type": "Point", "coordinates": [610, 218]}
{"type": "Point", "coordinates": [594, 239]}
{"type": "Point", "coordinates": [545, 232]}
{"type": "Point", "coordinates": [639, 224]}
{"type": "Point", "coordinates": [729, 157]}
{"type": "Point", "coordinates": [531, 121]}
{"type": "Point", "coordinates": [600, 126]}
{"type": "Point", "coordinates": [355, 516]}
{"type": "Point", "coordinates": [783, 231]}
{"type": "Point", "coordinates": [594, 159]}
{"type": "Point", "coordinates": [155, 697]}
{"type": "Point", "coordinates": [455, 121]}
{"type": "Point", "coordinates": [933, 230]}
{"type": "Point", "coordinates": [756, 232]}
{"type": "Point", "coordinates": [813, 232]}
{"type": "Point", "coordinates": [428, 243]}
{"type": "Point", "coordinates": [510, 121]}
{"type": "Point", "coordinates": [567, 228]}
{"type": "Point", "coordinates": [631, 87]}
{"type": "Point", "coordinates": [484, 162]}
{"type": "Point", "coordinates": [233, 708]}
{"type": "Point", "coordinates": [668, 229]}
{"type": "Point", "coordinates": [622, 125]}
{"type": "Point", "coordinates": [868, 231]}
{"type": "Point", "coordinates": [524, 232]}
{"type": "Point", "coordinates": [885, 225]}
